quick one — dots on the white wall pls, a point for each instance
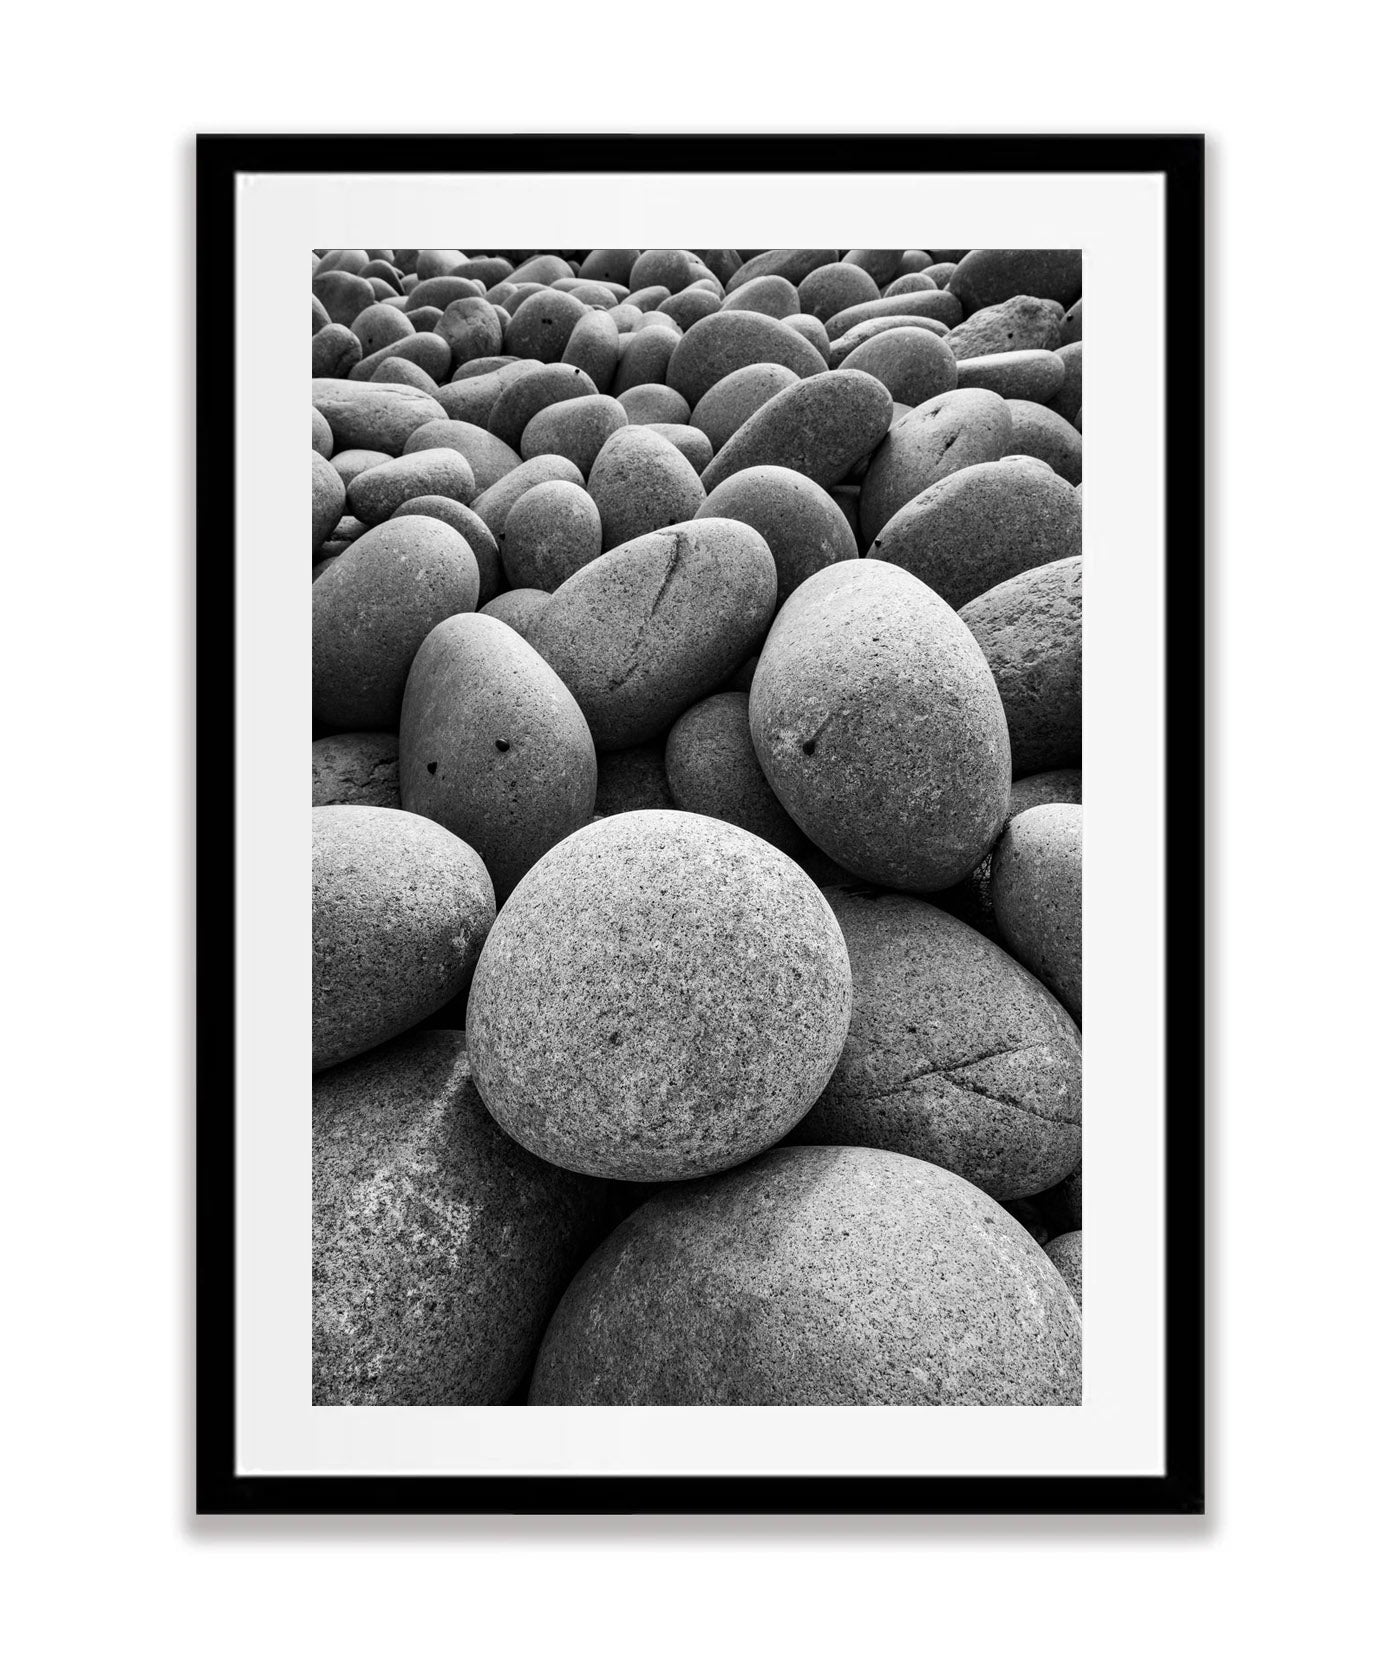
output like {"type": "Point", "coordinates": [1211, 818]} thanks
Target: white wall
{"type": "Point", "coordinates": [1285, 1576]}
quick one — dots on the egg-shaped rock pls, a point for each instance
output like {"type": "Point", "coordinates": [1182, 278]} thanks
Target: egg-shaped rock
{"type": "Point", "coordinates": [731, 339]}
{"type": "Point", "coordinates": [913, 366]}
{"type": "Point", "coordinates": [399, 910]}
{"type": "Point", "coordinates": [1038, 893]}
{"type": "Point", "coordinates": [439, 1247]}
{"type": "Point", "coordinates": [371, 610]}
{"type": "Point", "coordinates": [327, 499]}
{"type": "Point", "coordinates": [711, 768]}
{"type": "Point", "coordinates": [819, 427]}
{"type": "Point", "coordinates": [552, 532]}
{"type": "Point", "coordinates": [959, 429]}
{"type": "Point", "coordinates": [804, 528]}
{"type": "Point", "coordinates": [493, 747]}
{"type": "Point", "coordinates": [1066, 1254]}
{"type": "Point", "coordinates": [981, 525]}
{"type": "Point", "coordinates": [651, 626]}
{"type": "Point", "coordinates": [1031, 629]}
{"type": "Point", "coordinates": [737, 397]}
{"type": "Point", "coordinates": [364, 415]}
{"type": "Point", "coordinates": [955, 1055]}
{"type": "Point", "coordinates": [662, 997]}
{"type": "Point", "coordinates": [815, 1277]}
{"type": "Point", "coordinates": [989, 276]}
{"type": "Point", "coordinates": [377, 494]}
{"type": "Point", "coordinates": [641, 483]}
{"type": "Point", "coordinates": [877, 723]}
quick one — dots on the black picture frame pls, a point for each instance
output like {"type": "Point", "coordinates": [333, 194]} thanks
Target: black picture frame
{"type": "Point", "coordinates": [1179, 160]}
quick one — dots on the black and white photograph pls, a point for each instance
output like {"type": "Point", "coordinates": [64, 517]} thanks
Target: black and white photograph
{"type": "Point", "coordinates": [671, 1071]}
{"type": "Point", "coordinates": [697, 826]}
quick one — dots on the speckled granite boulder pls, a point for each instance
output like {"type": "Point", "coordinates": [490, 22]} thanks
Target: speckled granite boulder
{"type": "Point", "coordinates": [552, 532]}
{"type": "Point", "coordinates": [819, 427]}
{"type": "Point", "coordinates": [641, 483]}
{"type": "Point", "coordinates": [979, 526]}
{"type": "Point", "coordinates": [633, 780]}
{"type": "Point", "coordinates": [815, 1277]}
{"type": "Point", "coordinates": [493, 506]}
{"type": "Point", "coordinates": [493, 746]}
{"type": "Point", "coordinates": [344, 295]}
{"type": "Point", "coordinates": [662, 997]}
{"type": "Point", "coordinates": [322, 439]}
{"type": "Point", "coordinates": [877, 724]}
{"type": "Point", "coordinates": [360, 768]}
{"type": "Point", "coordinates": [439, 1247]}
{"type": "Point", "coordinates": [1021, 323]}
{"type": "Point", "coordinates": [711, 768]}
{"type": "Point", "coordinates": [813, 331]}
{"type": "Point", "coordinates": [523, 398]}
{"type": "Point", "coordinates": [955, 1055]}
{"type": "Point", "coordinates": [736, 398]}
{"type": "Point", "coordinates": [651, 626]}
{"type": "Point", "coordinates": [959, 429]}
{"type": "Point", "coordinates": [647, 405]}
{"type": "Point", "coordinates": [1031, 630]}
{"type": "Point", "coordinates": [828, 290]}
{"type": "Point", "coordinates": [327, 499]}
{"type": "Point", "coordinates": [936, 306]}
{"type": "Point", "coordinates": [985, 277]}
{"type": "Point", "coordinates": [349, 463]}
{"type": "Point", "coordinates": [489, 459]}
{"type": "Point", "coordinates": [765, 294]}
{"type": "Point", "coordinates": [364, 415]}
{"type": "Point", "coordinates": [372, 609]}
{"type": "Point", "coordinates": [1066, 1254]}
{"type": "Point", "coordinates": [422, 349]}
{"type": "Point", "coordinates": [380, 325]}
{"type": "Point", "coordinates": [471, 329]}
{"type": "Point", "coordinates": [731, 339]}
{"type": "Point", "coordinates": [471, 528]}
{"type": "Point", "coordinates": [1069, 398]}
{"type": "Point", "coordinates": [376, 495]}
{"type": "Point", "coordinates": [1037, 893]}
{"type": "Point", "coordinates": [881, 266]}
{"type": "Point", "coordinates": [576, 429]}
{"type": "Point", "coordinates": [913, 366]}
{"type": "Point", "coordinates": [542, 325]}
{"type": "Point", "coordinates": [791, 264]}
{"type": "Point", "coordinates": [1049, 437]}
{"type": "Point", "coordinates": [334, 351]}
{"type": "Point", "coordinates": [594, 347]}
{"type": "Point", "coordinates": [862, 333]}
{"type": "Point", "coordinates": [1030, 375]}
{"type": "Point", "coordinates": [803, 527]}
{"type": "Point", "coordinates": [690, 440]}
{"type": "Point", "coordinates": [399, 910]}
{"type": "Point", "coordinates": [519, 608]}
{"type": "Point", "coordinates": [393, 370]}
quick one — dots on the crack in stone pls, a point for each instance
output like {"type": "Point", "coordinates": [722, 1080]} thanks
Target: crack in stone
{"type": "Point", "coordinates": [677, 551]}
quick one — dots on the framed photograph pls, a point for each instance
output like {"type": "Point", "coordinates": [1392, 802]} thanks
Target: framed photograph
{"type": "Point", "coordinates": [667, 1088]}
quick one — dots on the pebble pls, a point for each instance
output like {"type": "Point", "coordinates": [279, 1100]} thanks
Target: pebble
{"type": "Point", "coordinates": [1037, 893]}
{"type": "Point", "coordinates": [399, 911]}
{"type": "Point", "coordinates": [959, 429]}
{"type": "Point", "coordinates": [711, 768]}
{"type": "Point", "coordinates": [1022, 323]}
{"type": "Point", "coordinates": [552, 532]}
{"type": "Point", "coordinates": [804, 528]}
{"type": "Point", "coordinates": [1049, 437]}
{"type": "Point", "coordinates": [819, 427]}
{"type": "Point", "coordinates": [662, 997]}
{"type": "Point", "coordinates": [816, 1277]}
{"type": "Point", "coordinates": [641, 483]}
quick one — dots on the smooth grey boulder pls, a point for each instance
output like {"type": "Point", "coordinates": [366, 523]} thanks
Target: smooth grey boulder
{"type": "Point", "coordinates": [648, 628]}
{"type": "Point", "coordinates": [736, 398]}
{"type": "Point", "coordinates": [327, 499]}
{"type": "Point", "coordinates": [662, 997]}
{"type": "Point", "coordinates": [815, 1277]}
{"type": "Point", "coordinates": [955, 1055]}
{"type": "Point", "coordinates": [877, 723]}
{"type": "Point", "coordinates": [985, 277]}
{"type": "Point", "coordinates": [489, 459]}
{"type": "Point", "coordinates": [804, 528]}
{"type": "Point", "coordinates": [731, 339]}
{"type": "Point", "coordinates": [1030, 629]}
{"type": "Point", "coordinates": [1037, 894]}
{"type": "Point", "coordinates": [493, 506]}
{"type": "Point", "coordinates": [1066, 1254]}
{"type": "Point", "coordinates": [359, 768]}
{"type": "Point", "coordinates": [913, 366]}
{"type": "Point", "coordinates": [378, 493]}
{"type": "Point", "coordinates": [439, 1247]}
{"type": "Point", "coordinates": [827, 290]}
{"type": "Point", "coordinates": [365, 415]}
{"type": "Point", "coordinates": [820, 427]}
{"type": "Point", "coordinates": [371, 610]}
{"type": "Point", "coordinates": [399, 910]}
{"type": "Point", "coordinates": [1031, 375]}
{"type": "Point", "coordinates": [711, 768]}
{"type": "Point", "coordinates": [468, 525]}
{"type": "Point", "coordinates": [981, 525]}
{"type": "Point", "coordinates": [865, 331]}
{"type": "Point", "coordinates": [1049, 437]}
{"type": "Point", "coordinates": [935, 306]}
{"type": "Point", "coordinates": [1069, 398]}
{"type": "Point", "coordinates": [959, 429]}
{"type": "Point", "coordinates": [493, 747]}
{"type": "Point", "coordinates": [640, 483]}
{"type": "Point", "coordinates": [1021, 323]}
{"type": "Point", "coordinates": [552, 532]}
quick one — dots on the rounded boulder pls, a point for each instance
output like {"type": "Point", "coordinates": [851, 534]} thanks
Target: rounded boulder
{"type": "Point", "coordinates": [1037, 894]}
{"type": "Point", "coordinates": [663, 997]}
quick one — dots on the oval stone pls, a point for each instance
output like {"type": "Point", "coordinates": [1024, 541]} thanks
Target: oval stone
{"type": "Point", "coordinates": [816, 1277]}
{"type": "Point", "coordinates": [819, 427]}
{"type": "Point", "coordinates": [663, 997]}
{"type": "Point", "coordinates": [399, 910]}
{"type": "Point", "coordinates": [1037, 894]}
{"type": "Point", "coordinates": [877, 723]}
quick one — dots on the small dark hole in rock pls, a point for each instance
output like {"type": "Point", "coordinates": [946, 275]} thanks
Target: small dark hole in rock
{"type": "Point", "coordinates": [612, 1038]}
{"type": "Point", "coordinates": [809, 747]}
{"type": "Point", "coordinates": [502, 746]}
{"type": "Point", "coordinates": [432, 768]}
